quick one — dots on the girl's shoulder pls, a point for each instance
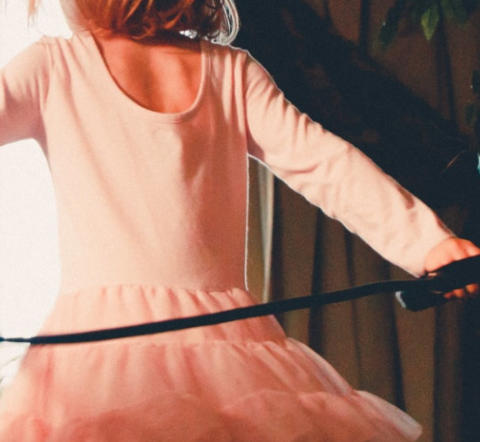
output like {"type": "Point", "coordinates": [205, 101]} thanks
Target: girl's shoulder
{"type": "Point", "coordinates": [75, 52]}
{"type": "Point", "coordinates": [224, 58]}
{"type": "Point", "coordinates": [238, 60]}
{"type": "Point", "coordinates": [225, 51]}
{"type": "Point", "coordinates": [48, 42]}
{"type": "Point", "coordinates": [63, 43]}
{"type": "Point", "coordinates": [31, 61]}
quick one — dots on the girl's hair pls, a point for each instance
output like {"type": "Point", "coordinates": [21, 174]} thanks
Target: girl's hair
{"type": "Point", "coordinates": [216, 20]}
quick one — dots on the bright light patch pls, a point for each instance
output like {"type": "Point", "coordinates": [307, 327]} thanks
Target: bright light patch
{"type": "Point", "coordinates": [29, 265]}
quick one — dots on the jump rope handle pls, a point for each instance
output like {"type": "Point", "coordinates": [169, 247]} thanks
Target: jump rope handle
{"type": "Point", "coordinates": [455, 275]}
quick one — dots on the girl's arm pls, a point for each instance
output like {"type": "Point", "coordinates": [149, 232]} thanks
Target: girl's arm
{"type": "Point", "coordinates": [23, 89]}
{"type": "Point", "coordinates": [342, 181]}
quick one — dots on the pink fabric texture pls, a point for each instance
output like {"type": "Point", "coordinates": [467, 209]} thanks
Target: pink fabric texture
{"type": "Point", "coordinates": [152, 225]}
{"type": "Point", "coordinates": [229, 382]}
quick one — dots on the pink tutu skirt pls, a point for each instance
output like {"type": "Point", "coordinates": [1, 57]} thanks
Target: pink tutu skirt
{"type": "Point", "coordinates": [239, 381]}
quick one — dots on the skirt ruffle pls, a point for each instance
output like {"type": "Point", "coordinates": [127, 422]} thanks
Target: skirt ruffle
{"type": "Point", "coordinates": [237, 381]}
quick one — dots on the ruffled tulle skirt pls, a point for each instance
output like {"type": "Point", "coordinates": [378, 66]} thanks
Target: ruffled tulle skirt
{"type": "Point", "coordinates": [238, 381]}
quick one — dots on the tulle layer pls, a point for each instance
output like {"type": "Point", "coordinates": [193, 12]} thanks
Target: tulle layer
{"type": "Point", "coordinates": [229, 382]}
{"type": "Point", "coordinates": [265, 416]}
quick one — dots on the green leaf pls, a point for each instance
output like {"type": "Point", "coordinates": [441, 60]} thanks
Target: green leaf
{"type": "Point", "coordinates": [418, 8]}
{"type": "Point", "coordinates": [389, 27]}
{"type": "Point", "coordinates": [429, 21]}
{"type": "Point", "coordinates": [470, 114]}
{"type": "Point", "coordinates": [476, 82]}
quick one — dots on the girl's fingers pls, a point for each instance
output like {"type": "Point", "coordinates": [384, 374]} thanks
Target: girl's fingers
{"type": "Point", "coordinates": [457, 293]}
{"type": "Point", "coordinates": [473, 290]}
{"type": "Point", "coordinates": [453, 249]}
{"type": "Point", "coordinates": [470, 291]}
{"type": "Point", "coordinates": [470, 248]}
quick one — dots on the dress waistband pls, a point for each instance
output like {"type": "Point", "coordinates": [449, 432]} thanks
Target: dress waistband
{"type": "Point", "coordinates": [120, 305]}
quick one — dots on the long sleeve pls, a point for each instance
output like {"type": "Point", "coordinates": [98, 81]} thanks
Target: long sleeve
{"type": "Point", "coordinates": [337, 177]}
{"type": "Point", "coordinates": [23, 89]}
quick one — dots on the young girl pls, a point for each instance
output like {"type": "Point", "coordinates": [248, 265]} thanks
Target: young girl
{"type": "Point", "coordinates": [147, 130]}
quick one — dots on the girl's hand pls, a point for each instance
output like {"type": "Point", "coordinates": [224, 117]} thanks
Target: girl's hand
{"type": "Point", "coordinates": [453, 249]}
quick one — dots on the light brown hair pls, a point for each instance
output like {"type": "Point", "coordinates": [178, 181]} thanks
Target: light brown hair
{"type": "Point", "coordinates": [149, 19]}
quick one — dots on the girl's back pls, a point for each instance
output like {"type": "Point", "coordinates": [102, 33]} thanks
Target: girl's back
{"type": "Point", "coordinates": [163, 75]}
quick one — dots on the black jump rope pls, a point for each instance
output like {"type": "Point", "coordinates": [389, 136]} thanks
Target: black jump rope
{"type": "Point", "coordinates": [413, 295]}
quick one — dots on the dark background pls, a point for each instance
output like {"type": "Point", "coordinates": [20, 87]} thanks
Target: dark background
{"type": "Point", "coordinates": [405, 108]}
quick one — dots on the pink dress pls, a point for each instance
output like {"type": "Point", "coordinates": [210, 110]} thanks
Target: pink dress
{"type": "Point", "coordinates": [152, 225]}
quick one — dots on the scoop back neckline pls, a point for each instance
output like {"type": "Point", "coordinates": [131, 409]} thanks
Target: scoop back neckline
{"type": "Point", "coordinates": [123, 99]}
